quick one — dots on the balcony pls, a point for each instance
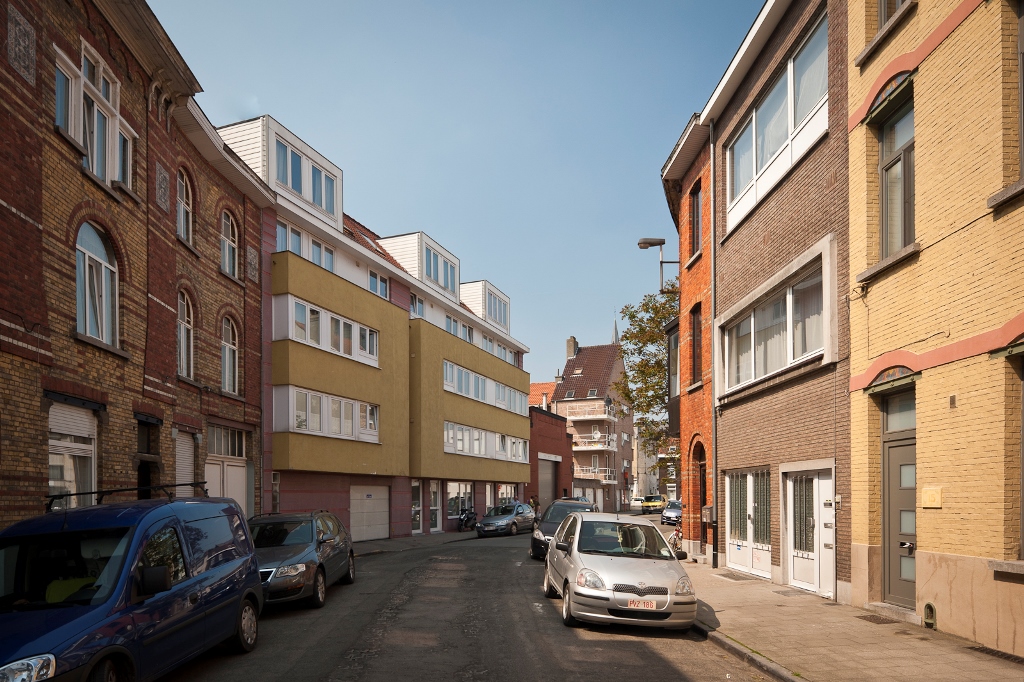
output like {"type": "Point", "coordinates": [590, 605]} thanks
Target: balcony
{"type": "Point", "coordinates": [599, 442]}
{"type": "Point", "coordinates": [576, 413]}
{"type": "Point", "coordinates": [605, 476]}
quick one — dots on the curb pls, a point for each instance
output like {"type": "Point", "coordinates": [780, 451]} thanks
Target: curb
{"type": "Point", "coordinates": [744, 654]}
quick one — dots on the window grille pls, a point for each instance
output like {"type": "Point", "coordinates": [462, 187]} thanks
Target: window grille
{"type": "Point", "coordinates": [738, 507]}
{"type": "Point", "coordinates": [762, 508]}
{"type": "Point", "coordinates": [803, 514]}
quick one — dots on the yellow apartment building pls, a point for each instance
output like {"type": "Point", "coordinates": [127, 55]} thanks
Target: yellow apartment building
{"type": "Point", "coordinates": [937, 314]}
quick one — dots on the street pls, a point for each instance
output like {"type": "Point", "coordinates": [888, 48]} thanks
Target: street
{"type": "Point", "coordinates": [468, 610]}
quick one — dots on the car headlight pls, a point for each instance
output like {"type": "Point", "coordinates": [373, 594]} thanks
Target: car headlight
{"type": "Point", "coordinates": [285, 571]}
{"type": "Point", "coordinates": [684, 586]}
{"type": "Point", "coordinates": [29, 669]}
{"type": "Point", "coordinates": [538, 535]}
{"type": "Point", "coordinates": [589, 579]}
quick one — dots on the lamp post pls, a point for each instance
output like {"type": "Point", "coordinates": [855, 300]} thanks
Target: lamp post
{"type": "Point", "coordinates": [648, 242]}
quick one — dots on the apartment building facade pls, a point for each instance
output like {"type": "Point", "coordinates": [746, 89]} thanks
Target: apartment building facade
{"type": "Point", "coordinates": [129, 352]}
{"type": "Point", "coordinates": [781, 336]}
{"type": "Point", "coordinates": [936, 315]}
{"type": "Point", "coordinates": [686, 179]}
{"type": "Point", "coordinates": [600, 423]}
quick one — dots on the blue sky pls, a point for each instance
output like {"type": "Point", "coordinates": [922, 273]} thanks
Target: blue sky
{"type": "Point", "coordinates": [527, 137]}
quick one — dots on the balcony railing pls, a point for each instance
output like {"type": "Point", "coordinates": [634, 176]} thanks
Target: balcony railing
{"type": "Point", "coordinates": [597, 474]}
{"type": "Point", "coordinates": [601, 442]}
{"type": "Point", "coordinates": [585, 412]}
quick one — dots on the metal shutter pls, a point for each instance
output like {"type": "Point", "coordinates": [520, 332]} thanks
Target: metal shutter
{"type": "Point", "coordinates": [73, 421]}
{"type": "Point", "coordinates": [547, 480]}
{"type": "Point", "coordinates": [184, 463]}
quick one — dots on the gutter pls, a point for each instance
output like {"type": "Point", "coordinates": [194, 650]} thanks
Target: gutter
{"type": "Point", "coordinates": [714, 361]}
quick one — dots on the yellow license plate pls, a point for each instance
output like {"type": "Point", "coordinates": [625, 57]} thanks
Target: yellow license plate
{"type": "Point", "coordinates": [641, 604]}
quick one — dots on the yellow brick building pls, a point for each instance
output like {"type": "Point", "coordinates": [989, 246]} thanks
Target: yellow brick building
{"type": "Point", "coordinates": [937, 314]}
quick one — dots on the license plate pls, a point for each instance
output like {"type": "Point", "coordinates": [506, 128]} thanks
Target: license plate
{"type": "Point", "coordinates": [641, 604]}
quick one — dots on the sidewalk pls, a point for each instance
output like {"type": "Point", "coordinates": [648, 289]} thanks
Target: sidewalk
{"type": "Point", "coordinates": [792, 634]}
{"type": "Point", "coordinates": [368, 547]}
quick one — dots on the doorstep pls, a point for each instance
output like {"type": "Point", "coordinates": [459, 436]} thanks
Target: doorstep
{"type": "Point", "coordinates": [904, 615]}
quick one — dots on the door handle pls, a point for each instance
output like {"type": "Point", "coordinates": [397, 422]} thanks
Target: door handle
{"type": "Point", "coordinates": [907, 545]}
{"type": "Point", "coordinates": [193, 598]}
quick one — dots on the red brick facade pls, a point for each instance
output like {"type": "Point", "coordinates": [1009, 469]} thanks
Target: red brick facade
{"type": "Point", "coordinates": [548, 435]}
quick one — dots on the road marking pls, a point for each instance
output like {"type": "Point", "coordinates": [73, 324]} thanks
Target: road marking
{"type": "Point", "coordinates": [539, 607]}
{"type": "Point", "coordinates": [519, 563]}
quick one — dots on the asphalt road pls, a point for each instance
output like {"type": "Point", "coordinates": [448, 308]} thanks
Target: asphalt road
{"type": "Point", "coordinates": [468, 610]}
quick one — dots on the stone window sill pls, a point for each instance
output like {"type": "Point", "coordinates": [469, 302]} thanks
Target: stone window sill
{"type": "Point", "coordinates": [230, 395]}
{"type": "Point", "coordinates": [75, 144]}
{"type": "Point", "coordinates": [1006, 566]}
{"type": "Point", "coordinates": [78, 336]}
{"type": "Point", "coordinates": [191, 382]}
{"type": "Point", "coordinates": [124, 189]}
{"type": "Point", "coordinates": [883, 33]}
{"type": "Point", "coordinates": [102, 185]}
{"type": "Point", "coordinates": [693, 259]}
{"type": "Point", "coordinates": [693, 387]}
{"type": "Point", "coordinates": [892, 261]}
{"type": "Point", "coordinates": [1006, 195]}
{"type": "Point", "coordinates": [188, 246]}
{"type": "Point", "coordinates": [233, 279]}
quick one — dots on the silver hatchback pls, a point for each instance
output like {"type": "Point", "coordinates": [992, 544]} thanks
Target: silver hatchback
{"type": "Point", "coordinates": [609, 569]}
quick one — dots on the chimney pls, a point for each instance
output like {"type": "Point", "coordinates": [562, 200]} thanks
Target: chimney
{"type": "Point", "coordinates": [571, 347]}
{"type": "Point", "coordinates": [544, 401]}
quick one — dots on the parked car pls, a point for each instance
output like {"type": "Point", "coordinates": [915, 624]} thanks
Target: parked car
{"type": "Point", "coordinates": [125, 591]}
{"type": "Point", "coordinates": [612, 569]}
{"type": "Point", "coordinates": [653, 503]}
{"type": "Point", "coordinates": [636, 504]}
{"type": "Point", "coordinates": [672, 513]}
{"type": "Point", "coordinates": [301, 554]}
{"type": "Point", "coordinates": [505, 519]}
{"type": "Point", "coordinates": [547, 525]}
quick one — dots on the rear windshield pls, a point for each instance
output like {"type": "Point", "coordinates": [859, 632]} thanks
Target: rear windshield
{"type": "Point", "coordinates": [631, 539]}
{"type": "Point", "coordinates": [556, 513]}
{"type": "Point", "coordinates": [61, 569]}
{"type": "Point", "coordinates": [652, 498]}
{"type": "Point", "coordinates": [281, 533]}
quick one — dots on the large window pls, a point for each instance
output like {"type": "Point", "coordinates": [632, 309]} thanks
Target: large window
{"type": "Point", "coordinates": [783, 329]}
{"type": "Point", "coordinates": [897, 181]}
{"type": "Point", "coordinates": [327, 415]}
{"type": "Point", "coordinates": [302, 244]}
{"type": "Point", "coordinates": [460, 496]}
{"type": "Point", "coordinates": [696, 218]}
{"type": "Point", "coordinates": [226, 442]}
{"type": "Point", "coordinates": [696, 347]}
{"type": "Point", "coordinates": [781, 112]}
{"type": "Point", "coordinates": [186, 323]}
{"type": "Point", "coordinates": [229, 356]}
{"type": "Point", "coordinates": [228, 245]}
{"type": "Point", "coordinates": [184, 207]}
{"type": "Point", "coordinates": [439, 270]}
{"type": "Point", "coordinates": [497, 309]}
{"type": "Point", "coordinates": [323, 329]}
{"type": "Point", "coordinates": [96, 286]}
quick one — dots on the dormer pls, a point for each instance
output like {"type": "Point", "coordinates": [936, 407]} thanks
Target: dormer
{"type": "Point", "coordinates": [427, 261]}
{"type": "Point", "coordinates": [488, 303]}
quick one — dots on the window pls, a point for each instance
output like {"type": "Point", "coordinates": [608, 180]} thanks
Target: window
{"type": "Point", "coordinates": [771, 127]}
{"type": "Point", "coordinates": [329, 259]}
{"type": "Point", "coordinates": [592, 393]}
{"type": "Point", "coordinates": [301, 410]}
{"type": "Point", "coordinates": [184, 207]}
{"type": "Point", "coordinates": [673, 365]}
{"type": "Point", "coordinates": [776, 333]}
{"type": "Point", "coordinates": [164, 549]}
{"type": "Point", "coordinates": [696, 350]}
{"type": "Point", "coordinates": [226, 442]}
{"type": "Point", "coordinates": [439, 270]}
{"type": "Point", "coordinates": [296, 172]}
{"type": "Point", "coordinates": [449, 374]}
{"type": "Point", "coordinates": [185, 337]}
{"type": "Point", "coordinates": [738, 507]}
{"type": "Point", "coordinates": [570, 394]}
{"type": "Point", "coordinates": [467, 333]}
{"type": "Point", "coordinates": [322, 329]}
{"type": "Point", "coordinates": [281, 156]}
{"type": "Point", "coordinates": [897, 181]}
{"type": "Point", "coordinates": [62, 114]}
{"type": "Point", "coordinates": [124, 160]}
{"type": "Point", "coordinates": [886, 9]}
{"type": "Point", "coordinates": [762, 508]}
{"type": "Point", "coordinates": [329, 194]}
{"type": "Point", "coordinates": [696, 216]}
{"type": "Point", "coordinates": [460, 496]}
{"type": "Point", "coordinates": [900, 412]}
{"type": "Point", "coordinates": [317, 181]}
{"type": "Point", "coordinates": [803, 514]}
{"type": "Point", "coordinates": [487, 343]}
{"type": "Point", "coordinates": [282, 237]}
{"type": "Point", "coordinates": [295, 243]}
{"type": "Point", "coordinates": [299, 323]}
{"type": "Point", "coordinates": [501, 444]}
{"type": "Point", "coordinates": [229, 356]}
{"type": "Point", "coordinates": [228, 245]}
{"type": "Point", "coordinates": [379, 284]}
{"type": "Point", "coordinates": [415, 305]}
{"type": "Point", "coordinates": [497, 309]}
{"type": "Point", "coordinates": [96, 286]}
{"type": "Point", "coordinates": [451, 325]}
{"type": "Point", "coordinates": [316, 252]}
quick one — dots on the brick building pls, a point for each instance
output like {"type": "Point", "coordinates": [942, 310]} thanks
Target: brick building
{"type": "Point", "coordinates": [130, 304]}
{"type": "Point", "coordinates": [686, 178]}
{"type": "Point", "coordinates": [777, 122]}
{"type": "Point", "coordinates": [936, 312]}
{"type": "Point", "coordinates": [550, 457]}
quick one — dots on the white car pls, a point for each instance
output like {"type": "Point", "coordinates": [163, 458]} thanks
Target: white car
{"type": "Point", "coordinates": [612, 569]}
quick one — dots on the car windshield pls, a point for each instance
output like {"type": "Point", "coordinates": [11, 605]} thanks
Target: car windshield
{"type": "Point", "coordinates": [652, 498]}
{"type": "Point", "coordinates": [675, 504]}
{"type": "Point", "coordinates": [58, 570]}
{"type": "Point", "coordinates": [556, 513]}
{"type": "Point", "coordinates": [631, 539]}
{"type": "Point", "coordinates": [281, 533]}
{"type": "Point", "coordinates": [501, 510]}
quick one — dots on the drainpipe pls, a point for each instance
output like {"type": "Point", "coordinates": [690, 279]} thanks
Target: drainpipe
{"type": "Point", "coordinates": [714, 367]}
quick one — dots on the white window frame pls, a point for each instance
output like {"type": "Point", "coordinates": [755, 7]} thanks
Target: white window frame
{"type": "Point", "coordinates": [186, 335]}
{"type": "Point", "coordinates": [324, 404]}
{"type": "Point", "coordinates": [229, 245]}
{"type": "Point", "coordinates": [327, 320]}
{"type": "Point", "coordinates": [223, 441]}
{"type": "Point", "coordinates": [184, 211]}
{"type": "Point", "coordinates": [415, 306]}
{"type": "Point", "coordinates": [229, 356]}
{"type": "Point", "coordinates": [497, 310]}
{"type": "Point", "coordinates": [108, 304]}
{"type": "Point", "coordinates": [379, 285]}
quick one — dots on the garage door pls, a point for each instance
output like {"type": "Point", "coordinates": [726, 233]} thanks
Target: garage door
{"type": "Point", "coordinates": [547, 481]}
{"type": "Point", "coordinates": [370, 512]}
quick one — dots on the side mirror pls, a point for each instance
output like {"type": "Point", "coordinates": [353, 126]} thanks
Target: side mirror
{"type": "Point", "coordinates": [562, 546]}
{"type": "Point", "coordinates": [154, 581]}
{"type": "Point", "coordinates": [681, 555]}
{"type": "Point", "coordinates": [326, 537]}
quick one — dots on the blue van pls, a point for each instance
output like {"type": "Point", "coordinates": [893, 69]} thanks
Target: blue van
{"type": "Point", "coordinates": [125, 591]}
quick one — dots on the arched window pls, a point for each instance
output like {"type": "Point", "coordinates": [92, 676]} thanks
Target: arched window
{"type": "Point", "coordinates": [228, 245]}
{"type": "Point", "coordinates": [229, 356]}
{"type": "Point", "coordinates": [96, 271]}
{"type": "Point", "coordinates": [184, 207]}
{"type": "Point", "coordinates": [186, 320]}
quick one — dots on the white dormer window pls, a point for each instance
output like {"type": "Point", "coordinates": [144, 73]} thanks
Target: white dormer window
{"type": "Point", "coordinates": [497, 310]}
{"type": "Point", "coordinates": [439, 270]}
{"type": "Point", "coordinates": [289, 167]}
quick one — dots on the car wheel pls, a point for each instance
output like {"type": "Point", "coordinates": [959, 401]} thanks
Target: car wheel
{"type": "Point", "coordinates": [319, 596]}
{"type": "Point", "coordinates": [513, 529]}
{"type": "Point", "coordinates": [350, 575]}
{"type": "Point", "coordinates": [567, 618]}
{"type": "Point", "coordinates": [105, 671]}
{"type": "Point", "coordinates": [247, 631]}
{"type": "Point", "coordinates": [549, 589]}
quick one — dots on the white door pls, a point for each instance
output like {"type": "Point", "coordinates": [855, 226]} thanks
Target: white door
{"type": "Point", "coordinates": [370, 512]}
{"type": "Point", "coordinates": [184, 463]}
{"type": "Point", "coordinates": [225, 477]}
{"type": "Point", "coordinates": [811, 533]}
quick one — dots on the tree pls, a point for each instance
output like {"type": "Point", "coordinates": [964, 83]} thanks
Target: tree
{"type": "Point", "coordinates": [644, 385]}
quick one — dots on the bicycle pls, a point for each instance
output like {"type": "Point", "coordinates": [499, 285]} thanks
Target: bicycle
{"type": "Point", "coordinates": [675, 540]}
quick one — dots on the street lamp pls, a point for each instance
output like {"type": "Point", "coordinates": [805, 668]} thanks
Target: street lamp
{"type": "Point", "coordinates": [648, 242]}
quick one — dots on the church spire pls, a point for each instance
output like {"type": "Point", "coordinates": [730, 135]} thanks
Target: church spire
{"type": "Point", "coordinates": [615, 331]}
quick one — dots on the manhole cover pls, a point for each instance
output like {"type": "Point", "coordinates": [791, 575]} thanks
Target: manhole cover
{"type": "Point", "coordinates": [878, 620]}
{"type": "Point", "coordinates": [732, 575]}
{"type": "Point", "coordinates": [998, 654]}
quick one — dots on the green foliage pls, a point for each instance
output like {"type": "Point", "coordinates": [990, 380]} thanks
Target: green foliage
{"type": "Point", "coordinates": [645, 355]}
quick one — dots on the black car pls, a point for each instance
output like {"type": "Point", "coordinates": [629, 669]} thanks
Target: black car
{"type": "Point", "coordinates": [301, 554]}
{"type": "Point", "coordinates": [549, 522]}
